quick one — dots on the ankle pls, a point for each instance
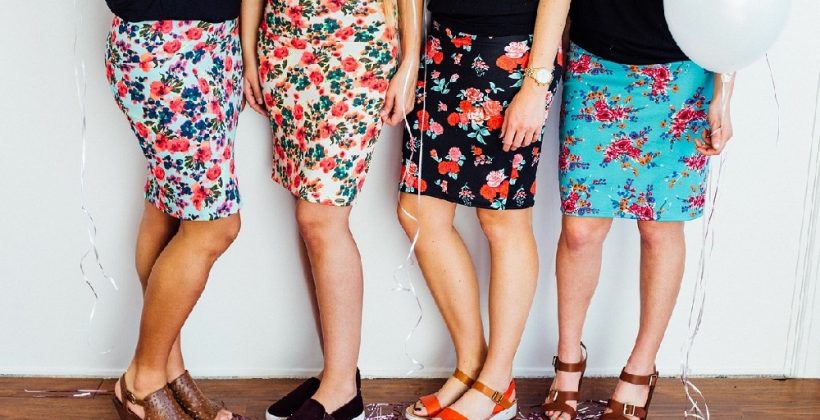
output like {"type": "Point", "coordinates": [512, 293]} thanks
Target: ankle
{"type": "Point", "coordinates": [640, 366]}
{"type": "Point", "coordinates": [570, 351]}
{"type": "Point", "coordinates": [145, 382]}
{"type": "Point", "coordinates": [497, 379]}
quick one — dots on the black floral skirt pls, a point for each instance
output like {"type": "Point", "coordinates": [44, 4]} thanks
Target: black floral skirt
{"type": "Point", "coordinates": [454, 151]}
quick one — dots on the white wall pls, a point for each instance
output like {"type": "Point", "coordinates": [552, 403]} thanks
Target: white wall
{"type": "Point", "coordinates": [255, 319]}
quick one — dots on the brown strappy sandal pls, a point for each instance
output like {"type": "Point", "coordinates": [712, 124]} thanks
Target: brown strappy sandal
{"type": "Point", "coordinates": [557, 400]}
{"type": "Point", "coordinates": [193, 401]}
{"type": "Point", "coordinates": [620, 410]}
{"type": "Point", "coordinates": [159, 405]}
{"type": "Point", "coordinates": [431, 404]}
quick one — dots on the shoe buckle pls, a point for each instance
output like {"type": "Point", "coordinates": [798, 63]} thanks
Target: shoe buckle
{"type": "Point", "coordinates": [554, 396]}
{"type": "Point", "coordinates": [554, 360]}
{"type": "Point", "coordinates": [497, 397]}
{"type": "Point", "coordinates": [629, 409]}
{"type": "Point", "coordinates": [653, 379]}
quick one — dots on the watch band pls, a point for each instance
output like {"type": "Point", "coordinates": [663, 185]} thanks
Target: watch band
{"type": "Point", "coordinates": [531, 73]}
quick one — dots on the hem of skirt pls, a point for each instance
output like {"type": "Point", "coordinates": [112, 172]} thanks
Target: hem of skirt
{"type": "Point", "coordinates": [625, 217]}
{"type": "Point", "coordinates": [187, 218]}
{"type": "Point", "coordinates": [310, 199]}
{"type": "Point", "coordinates": [456, 201]}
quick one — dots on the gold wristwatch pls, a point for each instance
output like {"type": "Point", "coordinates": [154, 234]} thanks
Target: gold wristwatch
{"type": "Point", "coordinates": [542, 76]}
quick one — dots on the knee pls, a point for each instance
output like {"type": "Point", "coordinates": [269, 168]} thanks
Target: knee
{"type": "Point", "coordinates": [218, 235]}
{"type": "Point", "coordinates": [498, 226]}
{"type": "Point", "coordinates": [317, 226]}
{"type": "Point", "coordinates": [407, 220]}
{"type": "Point", "coordinates": [583, 235]}
{"type": "Point", "coordinates": [656, 234]}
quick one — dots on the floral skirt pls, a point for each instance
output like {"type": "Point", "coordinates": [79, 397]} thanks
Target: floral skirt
{"type": "Point", "coordinates": [628, 139]}
{"type": "Point", "coordinates": [179, 83]}
{"type": "Point", "coordinates": [325, 73]}
{"type": "Point", "coordinates": [454, 151]}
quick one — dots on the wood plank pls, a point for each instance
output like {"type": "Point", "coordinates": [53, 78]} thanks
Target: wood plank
{"type": "Point", "coordinates": [756, 398]}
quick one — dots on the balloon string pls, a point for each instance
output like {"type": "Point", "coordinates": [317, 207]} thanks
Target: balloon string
{"type": "Point", "coordinates": [805, 261]}
{"type": "Point", "coordinates": [776, 98]}
{"type": "Point", "coordinates": [81, 85]}
{"type": "Point", "coordinates": [696, 310]}
{"type": "Point", "coordinates": [409, 286]}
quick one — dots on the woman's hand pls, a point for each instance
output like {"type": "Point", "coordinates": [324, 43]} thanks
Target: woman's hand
{"type": "Point", "coordinates": [714, 140]}
{"type": "Point", "coordinates": [401, 94]}
{"type": "Point", "coordinates": [253, 88]}
{"type": "Point", "coordinates": [525, 117]}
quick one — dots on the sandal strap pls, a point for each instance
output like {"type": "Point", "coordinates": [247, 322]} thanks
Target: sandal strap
{"type": "Point", "coordinates": [622, 409]}
{"type": "Point", "coordinates": [561, 407]}
{"type": "Point", "coordinates": [571, 367]}
{"type": "Point", "coordinates": [450, 414]}
{"type": "Point", "coordinates": [500, 399]}
{"type": "Point", "coordinates": [431, 404]}
{"type": "Point", "coordinates": [128, 395]}
{"type": "Point", "coordinates": [463, 377]}
{"type": "Point", "coordinates": [563, 396]}
{"type": "Point", "coordinates": [648, 380]}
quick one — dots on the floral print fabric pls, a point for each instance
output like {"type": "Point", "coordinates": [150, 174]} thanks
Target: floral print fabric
{"type": "Point", "coordinates": [628, 139]}
{"type": "Point", "coordinates": [179, 83]}
{"type": "Point", "coordinates": [325, 68]}
{"type": "Point", "coordinates": [454, 151]}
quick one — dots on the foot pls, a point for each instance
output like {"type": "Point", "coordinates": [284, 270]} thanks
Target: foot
{"type": "Point", "coordinates": [628, 393]}
{"type": "Point", "coordinates": [475, 405]}
{"type": "Point", "coordinates": [564, 381]}
{"type": "Point", "coordinates": [139, 411]}
{"type": "Point", "coordinates": [449, 393]}
{"type": "Point", "coordinates": [335, 394]}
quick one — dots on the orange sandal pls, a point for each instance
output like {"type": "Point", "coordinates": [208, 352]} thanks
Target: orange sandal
{"type": "Point", "coordinates": [505, 409]}
{"type": "Point", "coordinates": [620, 410]}
{"type": "Point", "coordinates": [431, 404]}
{"type": "Point", "coordinates": [557, 400]}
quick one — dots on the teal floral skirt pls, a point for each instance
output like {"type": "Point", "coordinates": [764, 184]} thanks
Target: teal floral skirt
{"type": "Point", "coordinates": [628, 139]}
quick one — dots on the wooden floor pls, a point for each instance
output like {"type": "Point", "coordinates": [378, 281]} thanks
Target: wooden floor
{"type": "Point", "coordinates": [728, 398]}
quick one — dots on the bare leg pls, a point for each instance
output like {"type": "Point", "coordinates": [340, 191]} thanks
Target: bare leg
{"type": "Point", "coordinates": [337, 274]}
{"type": "Point", "coordinates": [175, 283]}
{"type": "Point", "coordinates": [450, 275]}
{"type": "Point", "coordinates": [513, 278]}
{"type": "Point", "coordinates": [577, 269]}
{"type": "Point", "coordinates": [663, 253]}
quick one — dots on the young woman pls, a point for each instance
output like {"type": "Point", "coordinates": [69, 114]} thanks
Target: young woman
{"type": "Point", "coordinates": [491, 72]}
{"type": "Point", "coordinates": [176, 72]}
{"type": "Point", "coordinates": [321, 71]}
{"type": "Point", "coordinates": [639, 123]}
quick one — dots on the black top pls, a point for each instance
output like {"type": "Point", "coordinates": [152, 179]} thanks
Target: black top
{"type": "Point", "coordinates": [143, 10]}
{"type": "Point", "coordinates": [486, 17]}
{"type": "Point", "coordinates": [624, 31]}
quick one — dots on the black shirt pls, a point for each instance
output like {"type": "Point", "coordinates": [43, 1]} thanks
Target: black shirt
{"type": "Point", "coordinates": [486, 17]}
{"type": "Point", "coordinates": [143, 10]}
{"type": "Point", "coordinates": [624, 31]}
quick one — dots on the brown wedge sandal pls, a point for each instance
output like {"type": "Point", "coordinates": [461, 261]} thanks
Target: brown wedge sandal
{"type": "Point", "coordinates": [193, 401]}
{"type": "Point", "coordinates": [159, 405]}
{"type": "Point", "coordinates": [557, 400]}
{"type": "Point", "coordinates": [620, 410]}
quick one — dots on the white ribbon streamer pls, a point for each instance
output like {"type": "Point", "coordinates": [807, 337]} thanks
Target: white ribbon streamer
{"type": "Point", "coordinates": [409, 260]}
{"type": "Point", "coordinates": [81, 85]}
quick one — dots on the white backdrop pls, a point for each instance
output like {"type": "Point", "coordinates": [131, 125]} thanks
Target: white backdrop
{"type": "Point", "coordinates": [255, 318]}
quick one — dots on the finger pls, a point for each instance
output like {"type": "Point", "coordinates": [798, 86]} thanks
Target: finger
{"type": "Point", "coordinates": [509, 137]}
{"type": "Point", "coordinates": [530, 139]}
{"type": "Point", "coordinates": [519, 139]}
{"type": "Point", "coordinates": [503, 128]}
{"type": "Point", "coordinates": [389, 101]}
{"type": "Point", "coordinates": [257, 91]}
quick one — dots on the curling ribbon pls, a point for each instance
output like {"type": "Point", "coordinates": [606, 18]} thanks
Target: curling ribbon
{"type": "Point", "coordinates": [81, 84]}
{"type": "Point", "coordinates": [409, 261]}
{"type": "Point", "coordinates": [693, 393]}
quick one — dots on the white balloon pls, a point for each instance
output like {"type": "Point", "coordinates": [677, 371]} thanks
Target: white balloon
{"type": "Point", "coordinates": [726, 35]}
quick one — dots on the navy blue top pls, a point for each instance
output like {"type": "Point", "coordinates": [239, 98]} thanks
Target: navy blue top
{"type": "Point", "coordinates": [144, 10]}
{"type": "Point", "coordinates": [486, 17]}
{"type": "Point", "coordinates": [624, 31]}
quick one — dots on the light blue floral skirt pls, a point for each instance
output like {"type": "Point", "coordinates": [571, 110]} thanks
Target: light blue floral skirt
{"type": "Point", "coordinates": [628, 139]}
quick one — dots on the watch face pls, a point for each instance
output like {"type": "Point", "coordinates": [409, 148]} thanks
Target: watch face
{"type": "Point", "coordinates": [543, 76]}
